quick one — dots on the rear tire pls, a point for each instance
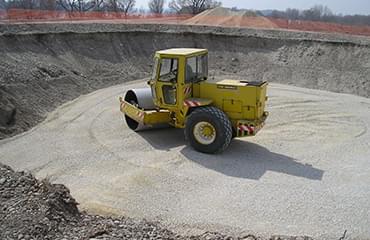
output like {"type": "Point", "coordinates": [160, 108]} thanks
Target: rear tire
{"type": "Point", "coordinates": [208, 130]}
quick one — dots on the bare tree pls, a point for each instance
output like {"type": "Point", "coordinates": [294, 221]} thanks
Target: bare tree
{"type": "Point", "coordinates": [292, 13]}
{"type": "Point", "coordinates": [321, 13]}
{"type": "Point", "coordinates": [141, 11]}
{"type": "Point", "coordinates": [125, 6]}
{"type": "Point", "coordinates": [192, 6]}
{"type": "Point", "coordinates": [156, 6]}
{"type": "Point", "coordinates": [317, 12]}
{"type": "Point", "coordinates": [80, 5]}
{"type": "Point", "coordinates": [48, 4]}
{"type": "Point", "coordinates": [25, 4]}
{"type": "Point", "coordinates": [3, 5]}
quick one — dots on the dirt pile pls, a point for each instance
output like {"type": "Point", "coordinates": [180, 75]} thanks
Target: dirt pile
{"type": "Point", "coordinates": [32, 209]}
{"type": "Point", "coordinates": [230, 18]}
{"type": "Point", "coordinates": [41, 70]}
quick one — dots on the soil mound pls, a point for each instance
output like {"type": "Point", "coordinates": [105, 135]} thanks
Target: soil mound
{"type": "Point", "coordinates": [230, 18]}
{"type": "Point", "coordinates": [31, 208]}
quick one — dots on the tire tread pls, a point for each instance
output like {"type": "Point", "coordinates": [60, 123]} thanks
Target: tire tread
{"type": "Point", "coordinates": [222, 118]}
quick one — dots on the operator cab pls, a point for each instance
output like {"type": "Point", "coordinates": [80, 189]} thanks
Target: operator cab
{"type": "Point", "coordinates": [175, 70]}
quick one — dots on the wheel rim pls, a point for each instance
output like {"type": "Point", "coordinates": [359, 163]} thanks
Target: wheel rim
{"type": "Point", "coordinates": [204, 133]}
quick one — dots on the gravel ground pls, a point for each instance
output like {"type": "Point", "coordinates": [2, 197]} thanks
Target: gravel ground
{"type": "Point", "coordinates": [33, 209]}
{"type": "Point", "coordinates": [303, 174]}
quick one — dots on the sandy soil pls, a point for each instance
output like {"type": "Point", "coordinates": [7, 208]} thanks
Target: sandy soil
{"type": "Point", "coordinates": [226, 17]}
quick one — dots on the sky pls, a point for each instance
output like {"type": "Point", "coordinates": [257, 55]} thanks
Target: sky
{"type": "Point", "coordinates": [337, 6]}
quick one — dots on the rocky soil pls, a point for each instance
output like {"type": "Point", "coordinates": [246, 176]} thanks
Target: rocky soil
{"type": "Point", "coordinates": [32, 209]}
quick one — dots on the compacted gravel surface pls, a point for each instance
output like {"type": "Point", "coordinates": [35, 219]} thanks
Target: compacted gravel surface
{"type": "Point", "coordinates": [305, 173]}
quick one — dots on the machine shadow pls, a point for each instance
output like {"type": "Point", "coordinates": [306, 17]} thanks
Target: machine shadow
{"type": "Point", "coordinates": [164, 138]}
{"type": "Point", "coordinates": [249, 160]}
{"type": "Point", "coordinates": [242, 159]}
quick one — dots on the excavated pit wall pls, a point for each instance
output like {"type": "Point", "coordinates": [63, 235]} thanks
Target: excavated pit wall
{"type": "Point", "coordinates": [45, 65]}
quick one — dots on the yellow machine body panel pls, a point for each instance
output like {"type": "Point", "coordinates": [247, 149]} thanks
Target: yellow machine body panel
{"type": "Point", "coordinates": [151, 117]}
{"type": "Point", "coordinates": [239, 99]}
{"type": "Point", "coordinates": [242, 101]}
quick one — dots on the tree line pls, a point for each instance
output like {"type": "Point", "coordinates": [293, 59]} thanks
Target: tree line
{"type": "Point", "coordinates": [124, 6]}
{"type": "Point", "coordinates": [320, 13]}
{"type": "Point", "coordinates": [316, 13]}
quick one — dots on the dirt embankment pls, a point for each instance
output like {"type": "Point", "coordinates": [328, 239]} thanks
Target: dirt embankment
{"type": "Point", "coordinates": [44, 65]}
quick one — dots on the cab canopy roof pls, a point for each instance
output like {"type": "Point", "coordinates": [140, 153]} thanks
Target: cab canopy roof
{"type": "Point", "coordinates": [182, 51]}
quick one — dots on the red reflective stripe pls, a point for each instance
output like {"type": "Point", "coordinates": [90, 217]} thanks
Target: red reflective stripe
{"type": "Point", "coordinates": [187, 90]}
{"type": "Point", "coordinates": [245, 128]}
{"type": "Point", "coordinates": [140, 115]}
{"type": "Point", "coordinates": [123, 104]}
{"type": "Point", "coordinates": [250, 129]}
{"type": "Point", "coordinates": [190, 103]}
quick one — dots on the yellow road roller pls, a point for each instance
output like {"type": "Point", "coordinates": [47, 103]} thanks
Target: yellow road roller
{"type": "Point", "coordinates": [180, 94]}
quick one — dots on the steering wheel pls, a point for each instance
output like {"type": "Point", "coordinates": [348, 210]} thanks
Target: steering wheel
{"type": "Point", "coordinates": [173, 75]}
{"type": "Point", "coordinates": [174, 72]}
